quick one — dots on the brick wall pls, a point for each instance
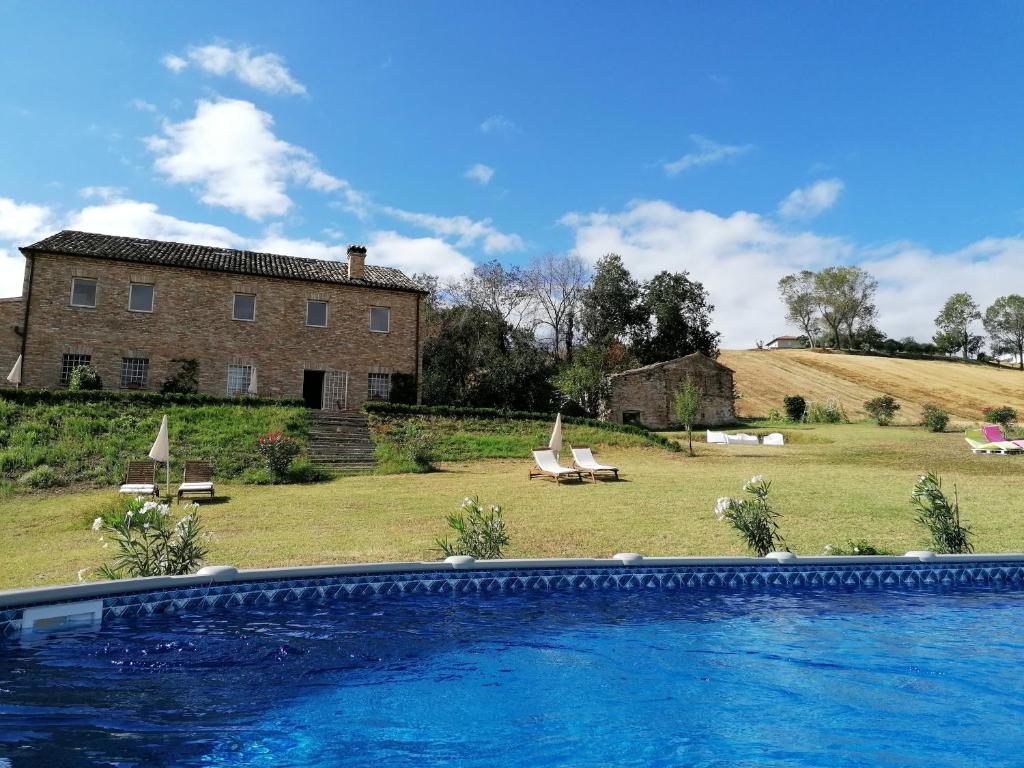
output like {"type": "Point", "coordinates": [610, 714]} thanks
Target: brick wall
{"type": "Point", "coordinates": [650, 392]}
{"type": "Point", "coordinates": [10, 342]}
{"type": "Point", "coordinates": [192, 317]}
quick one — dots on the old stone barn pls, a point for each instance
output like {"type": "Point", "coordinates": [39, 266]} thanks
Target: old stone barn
{"type": "Point", "coordinates": [646, 395]}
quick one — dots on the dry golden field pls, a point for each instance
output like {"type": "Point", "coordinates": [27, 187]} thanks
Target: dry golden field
{"type": "Point", "coordinates": [764, 377]}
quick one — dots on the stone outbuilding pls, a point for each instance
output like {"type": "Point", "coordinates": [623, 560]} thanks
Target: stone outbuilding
{"type": "Point", "coordinates": [645, 396]}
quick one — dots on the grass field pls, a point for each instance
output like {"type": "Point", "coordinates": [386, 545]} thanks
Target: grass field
{"type": "Point", "coordinates": [831, 484]}
{"type": "Point", "coordinates": [763, 378]}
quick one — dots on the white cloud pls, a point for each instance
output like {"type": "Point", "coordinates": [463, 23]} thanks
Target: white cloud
{"type": "Point", "coordinates": [229, 151]}
{"type": "Point", "coordinates": [266, 72]}
{"type": "Point", "coordinates": [708, 152]}
{"type": "Point", "coordinates": [417, 254]}
{"type": "Point", "coordinates": [480, 173]}
{"type": "Point", "coordinates": [467, 231]}
{"type": "Point", "coordinates": [812, 200]}
{"type": "Point", "coordinates": [174, 63]}
{"type": "Point", "coordinates": [23, 222]}
{"type": "Point", "coordinates": [12, 273]}
{"type": "Point", "coordinates": [143, 106]}
{"type": "Point", "coordinates": [131, 218]}
{"type": "Point", "coordinates": [102, 193]}
{"type": "Point", "coordinates": [498, 124]}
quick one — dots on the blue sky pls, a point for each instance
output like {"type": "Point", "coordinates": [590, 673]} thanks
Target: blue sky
{"type": "Point", "coordinates": [739, 141]}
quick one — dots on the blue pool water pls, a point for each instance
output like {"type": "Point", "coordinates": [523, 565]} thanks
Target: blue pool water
{"type": "Point", "coordinates": [556, 679]}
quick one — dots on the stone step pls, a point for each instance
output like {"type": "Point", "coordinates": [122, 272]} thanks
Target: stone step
{"type": "Point", "coordinates": [341, 440]}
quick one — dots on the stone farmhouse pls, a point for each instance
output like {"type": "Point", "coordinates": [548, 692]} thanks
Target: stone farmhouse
{"type": "Point", "coordinates": [329, 332]}
{"type": "Point", "coordinates": [645, 396]}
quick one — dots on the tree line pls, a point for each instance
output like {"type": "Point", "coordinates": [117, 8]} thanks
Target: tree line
{"type": "Point", "coordinates": [547, 335]}
{"type": "Point", "coordinates": [835, 307]}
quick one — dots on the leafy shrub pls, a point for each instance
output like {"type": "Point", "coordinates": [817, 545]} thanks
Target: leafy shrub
{"type": "Point", "coordinates": [940, 516]}
{"type": "Point", "coordinates": [183, 381]}
{"type": "Point", "coordinates": [84, 377]}
{"type": "Point", "coordinates": [859, 547]}
{"type": "Point", "coordinates": [1003, 415]}
{"type": "Point", "coordinates": [795, 407]}
{"type": "Point", "coordinates": [403, 388]}
{"type": "Point", "coordinates": [882, 409]}
{"type": "Point", "coordinates": [42, 476]}
{"type": "Point", "coordinates": [149, 542]}
{"type": "Point", "coordinates": [774, 415]}
{"type": "Point", "coordinates": [406, 448]}
{"type": "Point", "coordinates": [829, 412]}
{"type": "Point", "coordinates": [305, 471]}
{"type": "Point", "coordinates": [478, 533]}
{"type": "Point", "coordinates": [754, 518]}
{"type": "Point", "coordinates": [381, 407]}
{"type": "Point", "coordinates": [135, 397]}
{"type": "Point", "coordinates": [257, 476]}
{"type": "Point", "coordinates": [277, 451]}
{"type": "Point", "coordinates": [933, 418]}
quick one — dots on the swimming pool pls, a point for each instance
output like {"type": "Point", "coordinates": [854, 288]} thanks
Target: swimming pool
{"type": "Point", "coordinates": [878, 662]}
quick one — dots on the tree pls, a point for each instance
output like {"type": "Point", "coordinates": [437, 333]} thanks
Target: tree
{"type": "Point", "coordinates": [1004, 322]}
{"type": "Point", "coordinates": [555, 284]}
{"type": "Point", "coordinates": [797, 293]}
{"type": "Point", "coordinates": [679, 315]}
{"type": "Point", "coordinates": [845, 297]}
{"type": "Point", "coordinates": [687, 403]}
{"type": "Point", "coordinates": [954, 324]}
{"type": "Point", "coordinates": [496, 288]}
{"type": "Point", "coordinates": [585, 381]}
{"type": "Point", "coordinates": [477, 359]}
{"type": "Point", "coordinates": [611, 307]}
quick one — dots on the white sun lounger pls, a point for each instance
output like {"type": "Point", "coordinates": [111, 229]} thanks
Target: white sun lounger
{"type": "Point", "coordinates": [741, 439]}
{"type": "Point", "coordinates": [775, 438]}
{"type": "Point", "coordinates": [583, 459]}
{"type": "Point", "coordinates": [716, 437]}
{"type": "Point", "coordinates": [547, 466]}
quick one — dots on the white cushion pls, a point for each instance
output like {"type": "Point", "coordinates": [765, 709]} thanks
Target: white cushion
{"type": "Point", "coordinates": [775, 438]}
{"type": "Point", "coordinates": [195, 487]}
{"type": "Point", "coordinates": [139, 488]}
{"type": "Point", "coordinates": [716, 437]}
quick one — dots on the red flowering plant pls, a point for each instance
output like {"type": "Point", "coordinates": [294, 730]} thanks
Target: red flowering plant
{"type": "Point", "coordinates": [277, 451]}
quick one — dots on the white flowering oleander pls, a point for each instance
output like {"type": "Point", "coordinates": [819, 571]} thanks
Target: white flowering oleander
{"type": "Point", "coordinates": [97, 523]}
{"type": "Point", "coordinates": [757, 479]}
{"type": "Point", "coordinates": [81, 574]}
{"type": "Point", "coordinates": [828, 549]}
{"type": "Point", "coordinates": [722, 506]}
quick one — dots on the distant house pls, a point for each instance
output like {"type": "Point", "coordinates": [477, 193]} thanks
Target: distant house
{"type": "Point", "coordinates": [646, 396]}
{"type": "Point", "coordinates": [787, 342]}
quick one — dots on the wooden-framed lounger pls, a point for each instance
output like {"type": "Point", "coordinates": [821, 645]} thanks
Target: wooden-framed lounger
{"type": "Point", "coordinates": [140, 479]}
{"type": "Point", "coordinates": [583, 460]}
{"type": "Point", "coordinates": [198, 478]}
{"type": "Point", "coordinates": [546, 465]}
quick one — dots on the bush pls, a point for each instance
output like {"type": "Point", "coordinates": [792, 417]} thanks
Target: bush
{"type": "Point", "coordinates": [795, 407]}
{"type": "Point", "coordinates": [933, 418]}
{"type": "Point", "coordinates": [479, 534]}
{"type": "Point", "coordinates": [754, 518]}
{"type": "Point", "coordinates": [384, 408]}
{"type": "Point", "coordinates": [774, 415]}
{"type": "Point", "coordinates": [882, 409]}
{"type": "Point", "coordinates": [150, 543]}
{"type": "Point", "coordinates": [42, 476]}
{"type": "Point", "coordinates": [859, 547]}
{"type": "Point", "coordinates": [830, 412]}
{"type": "Point", "coordinates": [406, 448]}
{"type": "Point", "coordinates": [1003, 415]}
{"type": "Point", "coordinates": [185, 380]}
{"type": "Point", "coordinates": [257, 476]}
{"type": "Point", "coordinates": [134, 397]}
{"type": "Point", "coordinates": [403, 388]}
{"type": "Point", "coordinates": [305, 471]}
{"type": "Point", "coordinates": [277, 451]}
{"type": "Point", "coordinates": [84, 378]}
{"type": "Point", "coordinates": [940, 516]}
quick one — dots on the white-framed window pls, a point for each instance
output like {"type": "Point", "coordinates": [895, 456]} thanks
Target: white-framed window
{"type": "Point", "coordinates": [380, 319]}
{"type": "Point", "coordinates": [140, 297]}
{"type": "Point", "coordinates": [244, 307]}
{"type": "Point", "coordinates": [83, 292]}
{"type": "Point", "coordinates": [68, 363]}
{"type": "Point", "coordinates": [379, 386]}
{"type": "Point", "coordinates": [239, 377]}
{"type": "Point", "coordinates": [134, 372]}
{"type": "Point", "coordinates": [316, 313]}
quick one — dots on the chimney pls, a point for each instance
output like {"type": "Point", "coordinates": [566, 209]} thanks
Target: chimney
{"type": "Point", "coordinates": [356, 262]}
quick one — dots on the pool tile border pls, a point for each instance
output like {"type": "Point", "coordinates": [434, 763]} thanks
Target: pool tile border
{"type": "Point", "coordinates": [256, 588]}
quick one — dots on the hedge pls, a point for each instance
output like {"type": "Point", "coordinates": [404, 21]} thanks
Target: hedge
{"type": "Point", "coordinates": [57, 396]}
{"type": "Point", "coordinates": [460, 412]}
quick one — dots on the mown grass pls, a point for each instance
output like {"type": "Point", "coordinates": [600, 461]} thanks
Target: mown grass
{"type": "Point", "coordinates": [92, 442]}
{"type": "Point", "coordinates": [851, 482]}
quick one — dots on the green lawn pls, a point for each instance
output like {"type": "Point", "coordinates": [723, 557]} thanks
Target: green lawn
{"type": "Point", "coordinates": [832, 483]}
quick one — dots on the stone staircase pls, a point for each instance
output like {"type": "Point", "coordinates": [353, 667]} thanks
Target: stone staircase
{"type": "Point", "coordinates": [340, 440]}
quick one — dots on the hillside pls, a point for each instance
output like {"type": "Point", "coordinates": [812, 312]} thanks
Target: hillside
{"type": "Point", "coordinates": [763, 378]}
